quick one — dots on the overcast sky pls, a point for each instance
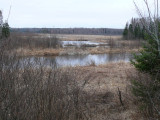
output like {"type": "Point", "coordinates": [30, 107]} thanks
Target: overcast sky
{"type": "Point", "coordinates": [69, 13]}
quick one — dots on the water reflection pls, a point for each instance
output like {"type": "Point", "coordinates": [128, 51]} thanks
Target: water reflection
{"type": "Point", "coordinates": [80, 43]}
{"type": "Point", "coordinates": [77, 60]}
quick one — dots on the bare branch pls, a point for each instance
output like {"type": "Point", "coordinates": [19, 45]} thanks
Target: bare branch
{"type": "Point", "coordinates": [153, 21]}
{"type": "Point", "coordinates": [153, 103]}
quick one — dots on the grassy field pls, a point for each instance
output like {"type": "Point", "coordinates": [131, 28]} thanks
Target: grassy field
{"type": "Point", "coordinates": [97, 38]}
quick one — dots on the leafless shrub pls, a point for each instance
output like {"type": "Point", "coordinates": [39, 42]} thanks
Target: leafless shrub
{"type": "Point", "coordinates": [92, 63]}
{"type": "Point", "coordinates": [112, 43]}
{"type": "Point", "coordinates": [39, 93]}
{"type": "Point", "coordinates": [34, 41]}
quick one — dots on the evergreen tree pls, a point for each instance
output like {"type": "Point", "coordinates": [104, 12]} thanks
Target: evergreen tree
{"type": "Point", "coordinates": [147, 90]}
{"type": "Point", "coordinates": [136, 32]}
{"type": "Point", "coordinates": [125, 32]}
{"type": "Point", "coordinates": [143, 33]}
{"type": "Point", "coordinates": [5, 30]}
{"type": "Point", "coordinates": [131, 28]}
{"type": "Point", "coordinates": [148, 59]}
{"type": "Point", "coordinates": [130, 35]}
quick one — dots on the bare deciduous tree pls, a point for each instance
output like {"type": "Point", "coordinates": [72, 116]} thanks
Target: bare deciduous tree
{"type": "Point", "coordinates": [151, 21]}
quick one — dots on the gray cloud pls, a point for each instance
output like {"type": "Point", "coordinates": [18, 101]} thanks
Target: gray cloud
{"type": "Point", "coordinates": [69, 13]}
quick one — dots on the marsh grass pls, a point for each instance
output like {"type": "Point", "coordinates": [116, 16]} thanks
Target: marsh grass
{"type": "Point", "coordinates": [48, 45]}
{"type": "Point", "coordinates": [33, 41]}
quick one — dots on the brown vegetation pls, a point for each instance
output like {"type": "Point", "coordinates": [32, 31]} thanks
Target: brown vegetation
{"type": "Point", "coordinates": [49, 45]}
{"type": "Point", "coordinates": [38, 52]}
{"type": "Point", "coordinates": [103, 82]}
{"type": "Point", "coordinates": [40, 93]}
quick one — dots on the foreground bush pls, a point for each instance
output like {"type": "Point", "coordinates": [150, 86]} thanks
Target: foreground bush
{"type": "Point", "coordinates": [147, 90]}
{"type": "Point", "coordinates": [28, 92]}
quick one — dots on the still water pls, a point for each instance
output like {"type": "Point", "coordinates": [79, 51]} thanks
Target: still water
{"type": "Point", "coordinates": [77, 60]}
{"type": "Point", "coordinates": [80, 43]}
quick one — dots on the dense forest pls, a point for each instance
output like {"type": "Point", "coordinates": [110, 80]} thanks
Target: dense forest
{"type": "Point", "coordinates": [84, 31]}
{"type": "Point", "coordinates": [134, 30]}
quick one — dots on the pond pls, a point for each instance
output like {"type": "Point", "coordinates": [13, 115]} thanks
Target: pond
{"type": "Point", "coordinates": [77, 60]}
{"type": "Point", "coordinates": [81, 43]}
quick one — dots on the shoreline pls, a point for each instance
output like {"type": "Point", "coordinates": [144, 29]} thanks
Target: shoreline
{"type": "Point", "coordinates": [60, 51]}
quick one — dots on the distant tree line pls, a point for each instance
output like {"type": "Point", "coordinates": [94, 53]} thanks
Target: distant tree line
{"type": "Point", "coordinates": [134, 30]}
{"type": "Point", "coordinates": [85, 31]}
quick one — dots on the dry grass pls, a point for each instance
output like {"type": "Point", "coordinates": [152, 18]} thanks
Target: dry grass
{"type": "Point", "coordinates": [103, 82]}
{"type": "Point", "coordinates": [107, 76]}
{"type": "Point", "coordinates": [115, 50]}
{"type": "Point", "coordinates": [71, 51]}
{"type": "Point", "coordinates": [47, 45]}
{"type": "Point", "coordinates": [38, 52]}
{"type": "Point", "coordinates": [96, 38]}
